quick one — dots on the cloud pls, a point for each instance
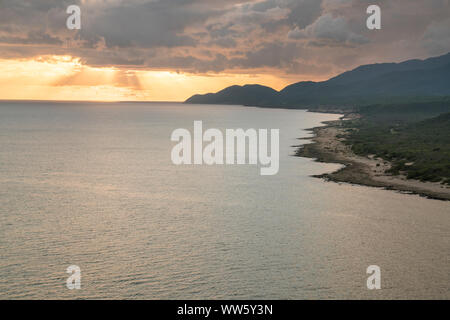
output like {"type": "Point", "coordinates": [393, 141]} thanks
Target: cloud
{"type": "Point", "coordinates": [328, 28]}
{"type": "Point", "coordinates": [311, 37]}
{"type": "Point", "coordinates": [437, 37]}
{"type": "Point", "coordinates": [273, 55]}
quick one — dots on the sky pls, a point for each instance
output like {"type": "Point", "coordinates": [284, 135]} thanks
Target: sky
{"type": "Point", "coordinates": [168, 50]}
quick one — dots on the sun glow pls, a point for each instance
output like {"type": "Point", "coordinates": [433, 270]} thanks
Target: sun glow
{"type": "Point", "coordinates": [67, 78]}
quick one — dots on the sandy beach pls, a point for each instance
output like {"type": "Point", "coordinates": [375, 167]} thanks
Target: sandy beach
{"type": "Point", "coordinates": [328, 147]}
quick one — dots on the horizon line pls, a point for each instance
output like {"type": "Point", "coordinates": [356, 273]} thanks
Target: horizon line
{"type": "Point", "coordinates": [88, 101]}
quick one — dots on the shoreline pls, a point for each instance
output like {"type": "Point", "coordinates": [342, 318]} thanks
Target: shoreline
{"type": "Point", "coordinates": [327, 147]}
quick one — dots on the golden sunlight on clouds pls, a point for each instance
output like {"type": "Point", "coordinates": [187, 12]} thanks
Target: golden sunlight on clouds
{"type": "Point", "coordinates": [66, 78]}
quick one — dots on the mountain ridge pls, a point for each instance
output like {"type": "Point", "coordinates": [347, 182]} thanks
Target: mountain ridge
{"type": "Point", "coordinates": [365, 84]}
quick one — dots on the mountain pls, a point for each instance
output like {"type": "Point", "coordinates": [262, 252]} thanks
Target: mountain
{"type": "Point", "coordinates": [366, 84]}
{"type": "Point", "coordinates": [254, 95]}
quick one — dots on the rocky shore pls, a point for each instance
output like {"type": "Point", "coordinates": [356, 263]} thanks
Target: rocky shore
{"type": "Point", "coordinates": [328, 147]}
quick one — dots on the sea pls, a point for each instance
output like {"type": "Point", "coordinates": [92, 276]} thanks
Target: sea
{"type": "Point", "coordinates": [92, 185]}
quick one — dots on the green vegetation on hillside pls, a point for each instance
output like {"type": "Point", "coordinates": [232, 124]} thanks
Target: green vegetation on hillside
{"type": "Point", "coordinates": [415, 138]}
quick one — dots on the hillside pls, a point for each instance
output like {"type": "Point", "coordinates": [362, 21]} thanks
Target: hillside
{"type": "Point", "coordinates": [368, 84]}
{"type": "Point", "coordinates": [249, 95]}
{"type": "Point", "coordinates": [415, 138]}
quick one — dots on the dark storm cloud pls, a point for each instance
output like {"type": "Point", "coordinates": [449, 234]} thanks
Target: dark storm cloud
{"type": "Point", "coordinates": [312, 37]}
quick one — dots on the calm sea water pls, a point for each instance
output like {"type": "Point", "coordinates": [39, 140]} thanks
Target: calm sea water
{"type": "Point", "coordinates": [93, 185]}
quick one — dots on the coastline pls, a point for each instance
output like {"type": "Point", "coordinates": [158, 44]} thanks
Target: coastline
{"type": "Point", "coordinates": [327, 147]}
